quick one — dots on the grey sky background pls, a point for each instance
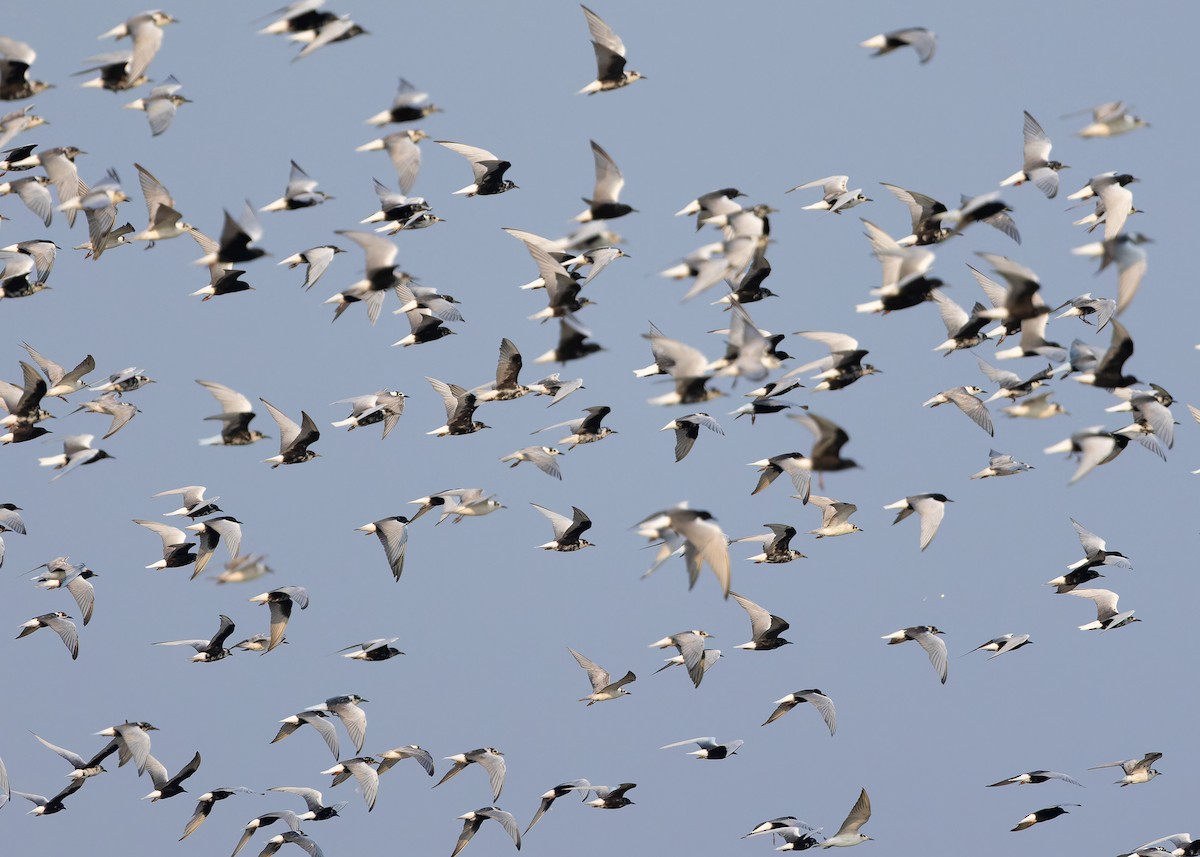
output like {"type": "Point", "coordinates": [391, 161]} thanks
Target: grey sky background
{"type": "Point", "coordinates": [758, 96]}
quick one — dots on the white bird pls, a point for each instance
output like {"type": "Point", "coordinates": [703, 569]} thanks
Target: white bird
{"type": "Point", "coordinates": [365, 775]}
{"type": "Point", "coordinates": [161, 105]}
{"type": "Point", "coordinates": [1003, 644]}
{"type": "Point", "coordinates": [835, 197]}
{"type": "Point", "coordinates": [488, 758]}
{"type": "Point", "coordinates": [541, 456]}
{"type": "Point", "coordinates": [933, 645]}
{"type": "Point", "coordinates": [1136, 770]}
{"type": "Point", "coordinates": [474, 819]}
{"type": "Point", "coordinates": [1038, 167]}
{"type": "Point", "coordinates": [603, 687]}
{"type": "Point", "coordinates": [1110, 119]}
{"type": "Point", "coordinates": [393, 535]}
{"type": "Point", "coordinates": [690, 645]}
{"type": "Point", "coordinates": [930, 507]}
{"type": "Point", "coordinates": [965, 399]}
{"type": "Point", "coordinates": [848, 834]}
{"type": "Point", "coordinates": [1002, 464]}
{"type": "Point", "coordinates": [835, 517]}
{"type": "Point", "coordinates": [702, 540]}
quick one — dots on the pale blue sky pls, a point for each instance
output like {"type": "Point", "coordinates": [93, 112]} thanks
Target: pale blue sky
{"type": "Point", "coordinates": [759, 96]}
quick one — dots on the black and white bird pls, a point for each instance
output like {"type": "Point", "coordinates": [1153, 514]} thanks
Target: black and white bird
{"type": "Point", "coordinates": [1095, 446]}
{"type": "Point", "coordinates": [921, 40]}
{"type": "Point", "coordinates": [488, 169]}
{"type": "Point", "coordinates": [77, 451]}
{"type": "Point", "coordinates": [223, 528]}
{"type": "Point", "coordinates": [507, 385]}
{"type": "Point", "coordinates": [1034, 777]}
{"type": "Point", "coordinates": [209, 650]}
{"type": "Point", "coordinates": [1040, 815]}
{"type": "Point", "coordinates": [236, 237]}
{"type": "Point", "coordinates": [611, 797]}
{"type": "Point", "coordinates": [132, 740]}
{"type": "Point", "coordinates": [380, 275]}
{"type": "Point", "coordinates": [765, 627]}
{"type": "Point", "coordinates": [568, 532]}
{"type": "Point", "coordinates": [460, 409]}
{"type": "Point", "coordinates": [372, 650]}
{"type": "Point", "coordinates": [81, 768]}
{"type": "Point", "coordinates": [166, 785]}
{"type": "Point", "coordinates": [301, 193]}
{"type": "Point", "coordinates": [49, 806]}
{"type": "Point", "coordinates": [294, 440]}
{"type": "Point", "coordinates": [687, 429]}
{"type": "Point", "coordinates": [610, 57]}
{"type": "Point", "coordinates": [266, 819]}
{"type": "Point", "coordinates": [603, 687]}
{"type": "Point", "coordinates": [177, 550]}
{"type": "Point", "coordinates": [1107, 615]}
{"type": "Point", "coordinates": [195, 504]}
{"type": "Point", "coordinates": [842, 367]}
{"type": "Point", "coordinates": [409, 105]}
{"type": "Point", "coordinates": [382, 406]}
{"type": "Point", "coordinates": [560, 790]}
{"type": "Point", "coordinates": [710, 748]}
{"type": "Point", "coordinates": [205, 804]}
{"type": "Point", "coordinates": [319, 720]}
{"type": "Point", "coordinates": [59, 382]}
{"type": "Point", "coordinates": [236, 414]}
{"type": "Point", "coordinates": [585, 430]}
{"type": "Point", "coordinates": [927, 636]}
{"type": "Point", "coordinates": [16, 58]}
{"type": "Point", "coordinates": [280, 602]}
{"type": "Point", "coordinates": [1096, 552]}
{"type": "Point", "coordinates": [822, 703]}
{"type": "Point", "coordinates": [777, 544]}
{"type": "Point", "coordinates": [605, 203]}
{"type": "Point", "coordinates": [316, 261]}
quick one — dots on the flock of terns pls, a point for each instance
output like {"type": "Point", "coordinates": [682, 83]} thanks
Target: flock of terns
{"type": "Point", "coordinates": [1011, 307]}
